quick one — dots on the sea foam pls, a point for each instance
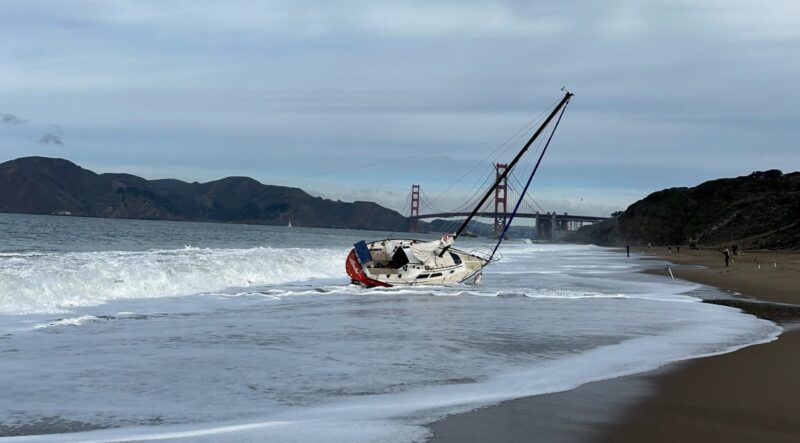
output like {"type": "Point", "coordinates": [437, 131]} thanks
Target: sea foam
{"type": "Point", "coordinates": [281, 348]}
{"type": "Point", "coordinates": [54, 282]}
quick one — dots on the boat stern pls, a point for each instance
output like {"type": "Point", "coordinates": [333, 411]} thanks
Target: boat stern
{"type": "Point", "coordinates": [356, 272]}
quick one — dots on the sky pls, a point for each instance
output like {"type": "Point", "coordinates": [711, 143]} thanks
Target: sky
{"type": "Point", "coordinates": [358, 100]}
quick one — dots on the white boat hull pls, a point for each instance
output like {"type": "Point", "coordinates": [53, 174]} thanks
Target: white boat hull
{"type": "Point", "coordinates": [390, 263]}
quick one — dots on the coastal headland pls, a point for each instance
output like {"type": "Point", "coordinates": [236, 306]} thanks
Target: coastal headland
{"type": "Point", "coordinates": [54, 186]}
{"type": "Point", "coordinates": [747, 395]}
{"type": "Point", "coordinates": [756, 211]}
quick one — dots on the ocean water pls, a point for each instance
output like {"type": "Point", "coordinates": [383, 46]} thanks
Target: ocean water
{"type": "Point", "coordinates": [125, 330]}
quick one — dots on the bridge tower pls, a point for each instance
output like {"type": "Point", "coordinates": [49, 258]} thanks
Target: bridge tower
{"type": "Point", "coordinates": [413, 225]}
{"type": "Point", "coordinates": [500, 199]}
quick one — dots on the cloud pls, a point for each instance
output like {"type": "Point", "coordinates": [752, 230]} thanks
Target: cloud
{"type": "Point", "coordinates": [51, 139]}
{"type": "Point", "coordinates": [367, 95]}
{"type": "Point", "coordinates": [11, 119]}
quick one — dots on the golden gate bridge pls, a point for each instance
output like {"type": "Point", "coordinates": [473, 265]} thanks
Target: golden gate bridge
{"type": "Point", "coordinates": [548, 225]}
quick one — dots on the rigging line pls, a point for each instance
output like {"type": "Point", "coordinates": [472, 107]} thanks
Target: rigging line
{"type": "Point", "coordinates": [511, 165]}
{"type": "Point", "coordinates": [384, 162]}
{"type": "Point", "coordinates": [509, 144]}
{"type": "Point", "coordinates": [530, 178]}
{"type": "Point", "coordinates": [486, 176]}
{"type": "Point", "coordinates": [525, 165]}
{"type": "Point", "coordinates": [519, 132]}
{"type": "Point", "coordinates": [485, 206]}
{"type": "Point", "coordinates": [472, 199]}
{"type": "Point", "coordinates": [395, 160]}
{"type": "Point", "coordinates": [447, 225]}
{"type": "Point", "coordinates": [527, 162]}
{"type": "Point", "coordinates": [686, 103]}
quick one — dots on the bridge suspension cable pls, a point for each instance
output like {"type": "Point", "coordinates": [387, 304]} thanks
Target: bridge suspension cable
{"type": "Point", "coordinates": [501, 149]}
{"type": "Point", "coordinates": [529, 198]}
{"type": "Point", "coordinates": [427, 201]}
{"type": "Point", "coordinates": [406, 205]}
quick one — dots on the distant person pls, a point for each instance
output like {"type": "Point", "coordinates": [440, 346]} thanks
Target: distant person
{"type": "Point", "coordinates": [735, 249]}
{"type": "Point", "coordinates": [669, 249]}
{"type": "Point", "coordinates": [628, 250]}
{"type": "Point", "coordinates": [727, 254]}
{"type": "Point", "coordinates": [678, 249]}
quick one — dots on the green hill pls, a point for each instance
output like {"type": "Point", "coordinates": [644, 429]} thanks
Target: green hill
{"type": "Point", "coordinates": [761, 210]}
{"type": "Point", "coordinates": [41, 185]}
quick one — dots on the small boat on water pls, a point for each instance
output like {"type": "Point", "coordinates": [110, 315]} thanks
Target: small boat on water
{"type": "Point", "coordinates": [410, 262]}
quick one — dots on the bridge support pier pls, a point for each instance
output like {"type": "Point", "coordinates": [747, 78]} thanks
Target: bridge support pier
{"type": "Point", "coordinates": [544, 228]}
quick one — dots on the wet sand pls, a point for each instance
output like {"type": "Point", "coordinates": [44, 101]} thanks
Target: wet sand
{"type": "Point", "coordinates": [765, 275]}
{"type": "Point", "coordinates": [749, 395]}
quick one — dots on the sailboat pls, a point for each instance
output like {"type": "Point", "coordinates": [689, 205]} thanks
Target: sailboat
{"type": "Point", "coordinates": [410, 262]}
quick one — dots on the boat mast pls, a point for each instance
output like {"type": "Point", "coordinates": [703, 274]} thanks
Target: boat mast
{"type": "Point", "coordinates": [505, 173]}
{"type": "Point", "coordinates": [528, 184]}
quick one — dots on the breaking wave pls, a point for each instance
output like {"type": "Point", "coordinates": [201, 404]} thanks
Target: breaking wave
{"type": "Point", "coordinates": [52, 282]}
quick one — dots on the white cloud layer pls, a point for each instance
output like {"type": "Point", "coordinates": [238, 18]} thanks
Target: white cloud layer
{"type": "Point", "coordinates": [362, 98]}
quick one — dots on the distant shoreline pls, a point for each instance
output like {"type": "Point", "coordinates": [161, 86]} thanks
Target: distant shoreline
{"type": "Point", "coordinates": [422, 234]}
{"type": "Point", "coordinates": [224, 222]}
{"type": "Point", "coordinates": [215, 222]}
{"type": "Point", "coordinates": [56, 186]}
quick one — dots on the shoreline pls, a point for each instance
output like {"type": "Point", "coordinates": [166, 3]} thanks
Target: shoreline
{"type": "Point", "coordinates": [745, 395]}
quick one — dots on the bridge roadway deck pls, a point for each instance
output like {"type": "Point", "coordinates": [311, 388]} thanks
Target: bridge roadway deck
{"type": "Point", "coordinates": [559, 217]}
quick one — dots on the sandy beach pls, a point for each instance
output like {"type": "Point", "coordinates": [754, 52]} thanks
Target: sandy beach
{"type": "Point", "coordinates": [765, 275]}
{"type": "Point", "coordinates": [748, 395]}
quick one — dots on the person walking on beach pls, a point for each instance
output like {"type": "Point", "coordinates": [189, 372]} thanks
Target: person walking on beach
{"type": "Point", "coordinates": [727, 256]}
{"type": "Point", "coordinates": [628, 250]}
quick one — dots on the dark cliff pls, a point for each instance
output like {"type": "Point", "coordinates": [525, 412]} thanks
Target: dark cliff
{"type": "Point", "coordinates": [761, 210]}
{"type": "Point", "coordinates": [40, 185]}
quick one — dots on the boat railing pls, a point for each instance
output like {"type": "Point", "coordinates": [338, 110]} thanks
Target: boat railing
{"type": "Point", "coordinates": [481, 253]}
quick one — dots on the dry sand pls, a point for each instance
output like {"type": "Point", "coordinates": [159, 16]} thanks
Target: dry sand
{"type": "Point", "coordinates": [749, 395]}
